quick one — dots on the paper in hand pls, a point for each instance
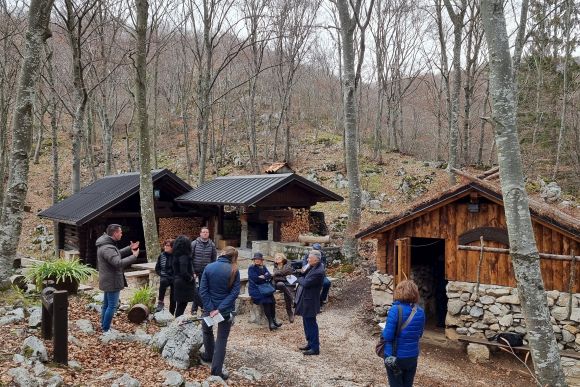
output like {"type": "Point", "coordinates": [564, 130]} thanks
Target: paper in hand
{"type": "Point", "coordinates": [211, 321]}
{"type": "Point", "coordinates": [291, 279]}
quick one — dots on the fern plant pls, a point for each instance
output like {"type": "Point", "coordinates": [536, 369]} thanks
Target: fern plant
{"type": "Point", "coordinates": [60, 271]}
{"type": "Point", "coordinates": [144, 295]}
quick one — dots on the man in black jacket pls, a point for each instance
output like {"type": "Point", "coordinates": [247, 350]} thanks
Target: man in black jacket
{"type": "Point", "coordinates": [203, 252]}
{"type": "Point", "coordinates": [308, 301]}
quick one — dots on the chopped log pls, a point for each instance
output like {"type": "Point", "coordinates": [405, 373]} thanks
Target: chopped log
{"type": "Point", "coordinates": [138, 313]}
{"type": "Point", "coordinates": [18, 281]}
{"type": "Point", "coordinates": [310, 239]}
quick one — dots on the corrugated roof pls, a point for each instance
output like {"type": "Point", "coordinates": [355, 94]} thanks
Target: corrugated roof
{"type": "Point", "coordinates": [250, 189]}
{"type": "Point", "coordinates": [100, 196]}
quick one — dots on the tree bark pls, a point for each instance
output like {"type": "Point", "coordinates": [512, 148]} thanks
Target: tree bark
{"type": "Point", "coordinates": [523, 250]}
{"type": "Point", "coordinates": [145, 177]}
{"type": "Point", "coordinates": [17, 185]}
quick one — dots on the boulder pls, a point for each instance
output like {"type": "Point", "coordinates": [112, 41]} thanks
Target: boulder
{"type": "Point", "coordinates": [497, 292]}
{"type": "Point", "coordinates": [13, 316]}
{"type": "Point", "coordinates": [74, 365]}
{"type": "Point", "coordinates": [550, 192]}
{"type": "Point", "coordinates": [22, 378]}
{"type": "Point", "coordinates": [454, 306]}
{"type": "Point", "coordinates": [561, 313]}
{"type": "Point", "coordinates": [477, 353]}
{"type": "Point", "coordinates": [476, 312]}
{"type": "Point", "coordinates": [35, 319]}
{"type": "Point", "coordinates": [511, 299]}
{"type": "Point", "coordinates": [163, 318]}
{"type": "Point", "coordinates": [507, 320]}
{"type": "Point", "coordinates": [55, 381]}
{"type": "Point", "coordinates": [212, 380]}
{"type": "Point", "coordinates": [487, 300]}
{"type": "Point", "coordinates": [564, 300]}
{"type": "Point", "coordinates": [34, 347]}
{"type": "Point", "coordinates": [489, 318]}
{"type": "Point", "coordinates": [181, 349]}
{"type": "Point", "coordinates": [38, 369]}
{"type": "Point", "coordinates": [250, 374]}
{"type": "Point", "coordinates": [381, 297]}
{"type": "Point", "coordinates": [126, 381]}
{"type": "Point", "coordinates": [85, 326]}
{"type": "Point", "coordinates": [567, 337]}
{"type": "Point", "coordinates": [173, 379]}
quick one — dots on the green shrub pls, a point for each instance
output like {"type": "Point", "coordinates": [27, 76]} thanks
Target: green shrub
{"type": "Point", "coordinates": [144, 295]}
{"type": "Point", "coordinates": [60, 270]}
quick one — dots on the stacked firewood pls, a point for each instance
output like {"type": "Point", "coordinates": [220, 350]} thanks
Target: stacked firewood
{"type": "Point", "coordinates": [169, 228]}
{"type": "Point", "coordinates": [299, 224]}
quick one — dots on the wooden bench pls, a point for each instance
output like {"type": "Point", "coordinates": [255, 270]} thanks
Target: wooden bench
{"type": "Point", "coordinates": [522, 348]}
{"type": "Point", "coordinates": [137, 278]}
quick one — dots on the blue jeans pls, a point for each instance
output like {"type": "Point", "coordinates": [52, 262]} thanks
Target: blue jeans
{"type": "Point", "coordinates": [110, 302]}
{"type": "Point", "coordinates": [405, 377]}
{"type": "Point", "coordinates": [325, 289]}
{"type": "Point", "coordinates": [311, 333]}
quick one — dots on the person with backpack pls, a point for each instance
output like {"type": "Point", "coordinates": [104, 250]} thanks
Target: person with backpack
{"type": "Point", "coordinates": [219, 288]}
{"type": "Point", "coordinates": [403, 329]}
{"type": "Point", "coordinates": [203, 252]}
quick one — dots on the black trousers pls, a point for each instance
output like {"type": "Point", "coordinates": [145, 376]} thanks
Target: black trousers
{"type": "Point", "coordinates": [215, 349]}
{"type": "Point", "coordinates": [165, 283]}
{"type": "Point", "coordinates": [403, 378]}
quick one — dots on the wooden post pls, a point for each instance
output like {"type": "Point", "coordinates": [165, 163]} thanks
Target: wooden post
{"type": "Point", "coordinates": [270, 230]}
{"type": "Point", "coordinates": [403, 259]}
{"type": "Point", "coordinates": [60, 323]}
{"type": "Point", "coordinates": [46, 298]}
{"type": "Point", "coordinates": [244, 231]}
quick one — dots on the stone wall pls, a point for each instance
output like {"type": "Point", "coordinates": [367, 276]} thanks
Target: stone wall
{"type": "Point", "coordinates": [497, 309]}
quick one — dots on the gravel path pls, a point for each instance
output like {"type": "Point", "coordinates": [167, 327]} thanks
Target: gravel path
{"type": "Point", "coordinates": [347, 357]}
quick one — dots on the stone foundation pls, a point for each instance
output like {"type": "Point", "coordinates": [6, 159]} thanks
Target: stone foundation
{"type": "Point", "coordinates": [494, 309]}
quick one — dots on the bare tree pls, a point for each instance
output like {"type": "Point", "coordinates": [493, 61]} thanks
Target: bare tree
{"type": "Point", "coordinates": [523, 250]}
{"type": "Point", "coordinates": [294, 26]}
{"type": "Point", "coordinates": [457, 20]}
{"type": "Point", "coordinates": [350, 16]}
{"type": "Point", "coordinates": [77, 18]}
{"type": "Point", "coordinates": [145, 176]}
{"type": "Point", "coordinates": [17, 185]}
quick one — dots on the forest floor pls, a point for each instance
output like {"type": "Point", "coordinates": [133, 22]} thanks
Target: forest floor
{"type": "Point", "coordinates": [347, 334]}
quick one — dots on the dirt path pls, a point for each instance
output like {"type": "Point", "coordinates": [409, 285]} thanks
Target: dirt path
{"type": "Point", "coordinates": [347, 351]}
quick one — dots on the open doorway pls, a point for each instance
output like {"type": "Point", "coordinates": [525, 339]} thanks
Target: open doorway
{"type": "Point", "coordinates": [428, 271]}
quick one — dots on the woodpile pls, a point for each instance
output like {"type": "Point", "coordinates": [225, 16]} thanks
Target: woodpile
{"type": "Point", "coordinates": [169, 228]}
{"type": "Point", "coordinates": [299, 224]}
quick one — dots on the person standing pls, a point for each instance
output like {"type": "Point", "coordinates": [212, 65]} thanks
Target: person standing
{"type": "Point", "coordinates": [164, 269]}
{"type": "Point", "coordinates": [110, 262]}
{"type": "Point", "coordinates": [183, 276]}
{"type": "Point", "coordinates": [258, 274]}
{"type": "Point", "coordinates": [326, 284]}
{"type": "Point", "coordinates": [405, 297]}
{"type": "Point", "coordinates": [282, 269]}
{"type": "Point", "coordinates": [203, 252]}
{"type": "Point", "coordinates": [308, 301]}
{"type": "Point", "coordinates": [219, 287]}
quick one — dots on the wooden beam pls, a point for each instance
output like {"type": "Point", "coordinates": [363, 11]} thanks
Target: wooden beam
{"type": "Point", "coordinates": [559, 257]}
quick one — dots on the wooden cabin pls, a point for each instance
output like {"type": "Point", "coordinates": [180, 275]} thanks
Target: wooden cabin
{"type": "Point", "coordinates": [428, 235]}
{"type": "Point", "coordinates": [84, 216]}
{"type": "Point", "coordinates": [260, 207]}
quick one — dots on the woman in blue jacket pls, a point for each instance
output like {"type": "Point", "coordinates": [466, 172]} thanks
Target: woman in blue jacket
{"type": "Point", "coordinates": [407, 341]}
{"type": "Point", "coordinates": [219, 288]}
{"type": "Point", "coordinates": [258, 274]}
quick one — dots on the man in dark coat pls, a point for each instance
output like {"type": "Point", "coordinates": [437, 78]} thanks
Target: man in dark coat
{"type": "Point", "coordinates": [111, 261]}
{"type": "Point", "coordinates": [326, 284]}
{"type": "Point", "coordinates": [203, 252]}
{"type": "Point", "coordinates": [308, 301]}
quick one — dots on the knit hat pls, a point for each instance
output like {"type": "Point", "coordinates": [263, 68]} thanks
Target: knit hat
{"type": "Point", "coordinates": [258, 255]}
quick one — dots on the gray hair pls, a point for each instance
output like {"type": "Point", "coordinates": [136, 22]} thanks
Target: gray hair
{"type": "Point", "coordinates": [315, 253]}
{"type": "Point", "coordinates": [112, 228]}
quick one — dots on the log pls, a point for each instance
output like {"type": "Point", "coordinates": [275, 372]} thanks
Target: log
{"type": "Point", "coordinates": [138, 313]}
{"type": "Point", "coordinates": [313, 239]}
{"type": "Point", "coordinates": [18, 281]}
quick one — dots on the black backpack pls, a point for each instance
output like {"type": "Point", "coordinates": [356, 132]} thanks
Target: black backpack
{"type": "Point", "coordinates": [509, 338]}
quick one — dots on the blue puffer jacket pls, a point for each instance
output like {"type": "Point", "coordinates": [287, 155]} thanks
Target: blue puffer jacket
{"type": "Point", "coordinates": [214, 289]}
{"type": "Point", "coordinates": [408, 338]}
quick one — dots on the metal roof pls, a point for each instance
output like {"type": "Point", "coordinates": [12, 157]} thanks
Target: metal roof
{"type": "Point", "coordinates": [101, 196]}
{"type": "Point", "coordinates": [250, 189]}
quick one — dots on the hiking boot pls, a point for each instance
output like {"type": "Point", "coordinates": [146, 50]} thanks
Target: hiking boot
{"type": "Point", "coordinates": [159, 307]}
{"type": "Point", "coordinates": [305, 347]}
{"type": "Point", "coordinates": [290, 315]}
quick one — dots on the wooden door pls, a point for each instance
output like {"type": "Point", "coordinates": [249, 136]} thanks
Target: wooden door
{"type": "Point", "coordinates": [402, 259]}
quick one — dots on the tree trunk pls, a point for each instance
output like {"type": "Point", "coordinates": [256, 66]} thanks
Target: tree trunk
{"type": "Point", "coordinates": [52, 109]}
{"type": "Point", "coordinates": [567, 51]}
{"type": "Point", "coordinates": [17, 185]}
{"type": "Point", "coordinates": [457, 20]}
{"type": "Point", "coordinates": [145, 177]}
{"type": "Point", "coordinates": [347, 27]}
{"type": "Point", "coordinates": [523, 250]}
